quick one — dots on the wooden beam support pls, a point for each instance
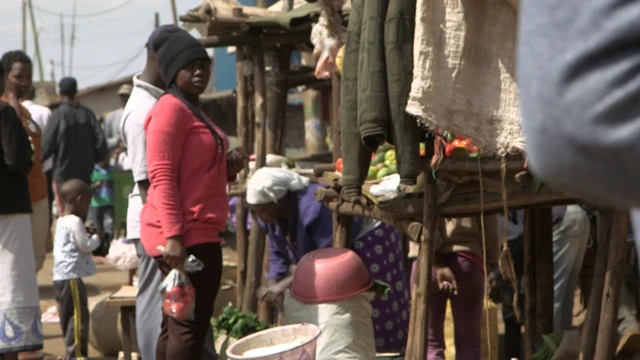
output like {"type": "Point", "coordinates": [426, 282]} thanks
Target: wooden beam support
{"type": "Point", "coordinates": [594, 306]}
{"type": "Point", "coordinates": [243, 131]}
{"type": "Point", "coordinates": [544, 273]}
{"type": "Point", "coordinates": [255, 253]}
{"type": "Point", "coordinates": [419, 319]}
{"type": "Point", "coordinates": [607, 334]}
{"type": "Point", "coordinates": [528, 280]}
{"type": "Point", "coordinates": [255, 40]}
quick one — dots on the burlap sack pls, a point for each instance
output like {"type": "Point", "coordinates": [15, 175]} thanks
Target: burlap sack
{"type": "Point", "coordinates": [464, 71]}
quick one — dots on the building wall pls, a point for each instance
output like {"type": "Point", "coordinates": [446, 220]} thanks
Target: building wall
{"type": "Point", "coordinates": [103, 100]}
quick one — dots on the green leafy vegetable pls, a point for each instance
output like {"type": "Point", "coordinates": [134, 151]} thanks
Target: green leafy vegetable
{"type": "Point", "coordinates": [380, 288]}
{"type": "Point", "coordinates": [237, 324]}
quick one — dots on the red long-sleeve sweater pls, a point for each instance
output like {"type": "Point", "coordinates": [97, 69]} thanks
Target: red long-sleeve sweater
{"type": "Point", "coordinates": [188, 175]}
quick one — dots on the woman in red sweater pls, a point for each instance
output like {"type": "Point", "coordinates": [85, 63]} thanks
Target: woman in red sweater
{"type": "Point", "coordinates": [187, 204]}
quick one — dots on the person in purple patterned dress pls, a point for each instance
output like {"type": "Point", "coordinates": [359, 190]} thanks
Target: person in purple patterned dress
{"type": "Point", "coordinates": [306, 225]}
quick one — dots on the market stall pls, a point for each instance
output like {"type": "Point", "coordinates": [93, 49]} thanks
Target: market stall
{"type": "Point", "coordinates": [462, 82]}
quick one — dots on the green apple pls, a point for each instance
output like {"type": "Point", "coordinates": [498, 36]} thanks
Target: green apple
{"type": "Point", "coordinates": [390, 155]}
{"type": "Point", "coordinates": [371, 175]}
{"type": "Point", "coordinates": [382, 173]}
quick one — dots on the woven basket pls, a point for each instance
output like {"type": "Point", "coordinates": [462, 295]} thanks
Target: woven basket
{"type": "Point", "coordinates": [280, 335]}
{"type": "Point", "coordinates": [464, 71]}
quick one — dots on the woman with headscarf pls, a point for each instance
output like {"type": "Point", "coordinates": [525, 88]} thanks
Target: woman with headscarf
{"type": "Point", "coordinates": [187, 203]}
{"type": "Point", "coordinates": [296, 223]}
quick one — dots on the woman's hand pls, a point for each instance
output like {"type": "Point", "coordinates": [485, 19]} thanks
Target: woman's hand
{"type": "Point", "coordinates": [175, 253]}
{"type": "Point", "coordinates": [270, 294]}
{"type": "Point", "coordinates": [446, 280]}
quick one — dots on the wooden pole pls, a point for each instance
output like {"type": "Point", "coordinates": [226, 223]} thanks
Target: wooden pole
{"type": "Point", "coordinates": [36, 41]}
{"type": "Point", "coordinates": [24, 26]}
{"type": "Point", "coordinates": [174, 12]}
{"type": "Point", "coordinates": [544, 273]}
{"type": "Point", "coordinates": [156, 19]}
{"type": "Point", "coordinates": [607, 334]}
{"type": "Point", "coordinates": [277, 93]}
{"type": "Point", "coordinates": [73, 38]}
{"type": "Point", "coordinates": [243, 130]}
{"type": "Point", "coordinates": [594, 306]}
{"type": "Point", "coordinates": [314, 129]}
{"type": "Point", "coordinates": [419, 319]}
{"type": "Point", "coordinates": [62, 47]}
{"type": "Point", "coordinates": [529, 283]}
{"type": "Point", "coordinates": [341, 224]}
{"type": "Point", "coordinates": [256, 237]}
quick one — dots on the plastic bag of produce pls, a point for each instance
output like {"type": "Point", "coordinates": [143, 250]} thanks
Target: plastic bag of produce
{"type": "Point", "coordinates": [179, 295]}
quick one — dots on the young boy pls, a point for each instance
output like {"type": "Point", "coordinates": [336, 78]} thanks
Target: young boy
{"type": "Point", "coordinates": [72, 261]}
{"type": "Point", "coordinates": [102, 202]}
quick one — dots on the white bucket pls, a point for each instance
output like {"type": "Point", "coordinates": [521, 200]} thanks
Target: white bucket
{"type": "Point", "coordinates": [291, 342]}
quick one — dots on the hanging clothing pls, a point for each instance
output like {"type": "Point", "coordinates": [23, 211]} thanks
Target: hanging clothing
{"type": "Point", "coordinates": [376, 81]}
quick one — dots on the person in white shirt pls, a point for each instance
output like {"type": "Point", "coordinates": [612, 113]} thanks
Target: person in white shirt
{"type": "Point", "coordinates": [41, 115]}
{"type": "Point", "coordinates": [147, 89]}
{"type": "Point", "coordinates": [72, 261]}
{"type": "Point", "coordinates": [111, 125]}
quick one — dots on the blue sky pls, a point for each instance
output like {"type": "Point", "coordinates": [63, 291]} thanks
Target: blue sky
{"type": "Point", "coordinates": [107, 47]}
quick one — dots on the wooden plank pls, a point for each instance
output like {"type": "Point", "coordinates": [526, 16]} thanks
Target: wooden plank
{"type": "Point", "coordinates": [607, 334]}
{"type": "Point", "coordinates": [528, 279]}
{"type": "Point", "coordinates": [594, 306]}
{"type": "Point", "coordinates": [256, 40]}
{"type": "Point", "coordinates": [243, 131]}
{"type": "Point", "coordinates": [544, 273]}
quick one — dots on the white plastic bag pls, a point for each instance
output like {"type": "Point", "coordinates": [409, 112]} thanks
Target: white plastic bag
{"type": "Point", "coordinates": [180, 296]}
{"type": "Point", "coordinates": [122, 255]}
{"type": "Point", "coordinates": [347, 328]}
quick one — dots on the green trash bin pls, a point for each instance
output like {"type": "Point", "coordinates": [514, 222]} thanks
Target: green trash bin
{"type": "Point", "coordinates": [123, 186]}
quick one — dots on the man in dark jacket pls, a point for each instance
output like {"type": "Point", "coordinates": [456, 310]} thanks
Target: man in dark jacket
{"type": "Point", "coordinates": [74, 136]}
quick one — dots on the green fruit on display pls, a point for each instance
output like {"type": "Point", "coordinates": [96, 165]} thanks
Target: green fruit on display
{"type": "Point", "coordinates": [371, 175]}
{"type": "Point", "coordinates": [390, 155]}
{"type": "Point", "coordinates": [384, 148]}
{"type": "Point", "coordinates": [388, 163]}
{"type": "Point", "coordinates": [379, 158]}
{"type": "Point", "coordinates": [393, 168]}
{"type": "Point", "coordinates": [379, 165]}
{"type": "Point", "coordinates": [449, 136]}
{"type": "Point", "coordinates": [382, 173]}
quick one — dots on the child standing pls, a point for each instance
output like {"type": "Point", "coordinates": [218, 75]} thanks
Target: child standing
{"type": "Point", "coordinates": [458, 276]}
{"type": "Point", "coordinates": [102, 202]}
{"type": "Point", "coordinates": [72, 261]}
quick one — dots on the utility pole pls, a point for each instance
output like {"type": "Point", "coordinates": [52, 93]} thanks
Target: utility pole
{"type": "Point", "coordinates": [62, 52]}
{"type": "Point", "coordinates": [73, 37]}
{"type": "Point", "coordinates": [35, 40]}
{"type": "Point", "coordinates": [174, 12]}
{"type": "Point", "coordinates": [24, 26]}
{"type": "Point", "coordinates": [52, 71]}
{"type": "Point", "coordinates": [157, 19]}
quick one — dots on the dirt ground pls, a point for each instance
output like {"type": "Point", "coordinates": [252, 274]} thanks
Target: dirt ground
{"type": "Point", "coordinates": [109, 280]}
{"type": "Point", "coordinates": [105, 282]}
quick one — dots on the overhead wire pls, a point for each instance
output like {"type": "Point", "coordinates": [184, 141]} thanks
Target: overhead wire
{"type": "Point", "coordinates": [84, 16]}
{"type": "Point", "coordinates": [129, 62]}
